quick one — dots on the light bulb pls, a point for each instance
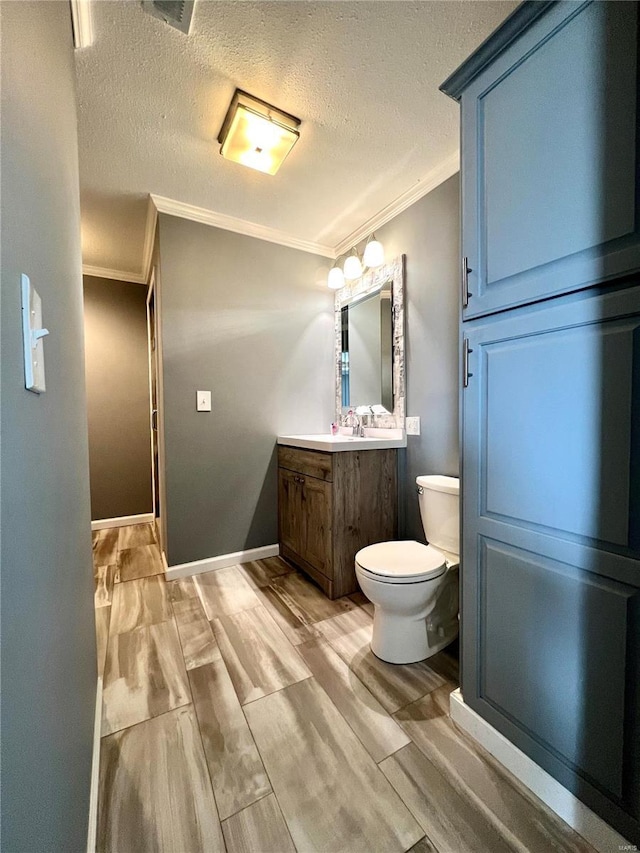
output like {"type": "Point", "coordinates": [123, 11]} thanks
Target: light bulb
{"type": "Point", "coordinates": [352, 267]}
{"type": "Point", "coordinates": [373, 254]}
{"type": "Point", "coordinates": [336, 278]}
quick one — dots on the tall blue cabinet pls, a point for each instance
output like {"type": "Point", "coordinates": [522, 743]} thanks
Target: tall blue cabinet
{"type": "Point", "coordinates": [550, 339]}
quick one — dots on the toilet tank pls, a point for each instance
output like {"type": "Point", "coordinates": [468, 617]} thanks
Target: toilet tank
{"type": "Point", "coordinates": [439, 499]}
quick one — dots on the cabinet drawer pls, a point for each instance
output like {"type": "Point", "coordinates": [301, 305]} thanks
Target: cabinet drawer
{"type": "Point", "coordinates": [313, 463]}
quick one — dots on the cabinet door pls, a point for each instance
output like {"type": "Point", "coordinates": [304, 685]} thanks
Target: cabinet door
{"type": "Point", "coordinates": [290, 511]}
{"type": "Point", "coordinates": [316, 510]}
{"type": "Point", "coordinates": [550, 159]}
{"type": "Point", "coordinates": [551, 541]}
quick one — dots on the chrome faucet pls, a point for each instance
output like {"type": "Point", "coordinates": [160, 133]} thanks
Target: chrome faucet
{"type": "Point", "coordinates": [354, 421]}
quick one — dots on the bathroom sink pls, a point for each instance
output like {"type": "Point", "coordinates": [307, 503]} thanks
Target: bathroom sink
{"type": "Point", "coordinates": [380, 440]}
{"type": "Point", "coordinates": [387, 434]}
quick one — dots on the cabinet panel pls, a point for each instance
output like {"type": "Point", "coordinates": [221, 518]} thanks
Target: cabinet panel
{"type": "Point", "coordinates": [567, 687]}
{"type": "Point", "coordinates": [290, 511]}
{"type": "Point", "coordinates": [557, 428]}
{"type": "Point", "coordinates": [552, 419]}
{"type": "Point", "coordinates": [317, 521]}
{"type": "Point", "coordinates": [550, 159]}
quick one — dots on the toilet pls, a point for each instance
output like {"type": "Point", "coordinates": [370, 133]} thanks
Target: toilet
{"type": "Point", "coordinates": [414, 587]}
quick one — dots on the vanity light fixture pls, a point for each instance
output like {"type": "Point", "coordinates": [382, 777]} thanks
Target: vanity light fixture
{"type": "Point", "coordinates": [256, 134]}
{"type": "Point", "coordinates": [373, 253]}
{"type": "Point", "coordinates": [353, 268]}
{"type": "Point", "coordinates": [336, 277]}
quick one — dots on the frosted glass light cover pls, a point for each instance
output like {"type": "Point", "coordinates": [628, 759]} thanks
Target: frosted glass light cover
{"type": "Point", "coordinates": [336, 278]}
{"type": "Point", "coordinates": [373, 254]}
{"type": "Point", "coordinates": [257, 142]}
{"type": "Point", "coordinates": [352, 267]}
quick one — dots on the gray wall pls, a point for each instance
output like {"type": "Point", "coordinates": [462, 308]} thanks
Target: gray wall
{"type": "Point", "coordinates": [48, 639]}
{"type": "Point", "coordinates": [428, 233]}
{"type": "Point", "coordinates": [117, 375]}
{"type": "Point", "coordinates": [252, 322]}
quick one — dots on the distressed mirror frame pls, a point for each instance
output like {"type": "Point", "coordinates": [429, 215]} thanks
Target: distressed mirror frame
{"type": "Point", "coordinates": [370, 282]}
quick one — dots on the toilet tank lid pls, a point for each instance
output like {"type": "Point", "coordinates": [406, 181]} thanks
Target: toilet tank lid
{"type": "Point", "coordinates": [438, 483]}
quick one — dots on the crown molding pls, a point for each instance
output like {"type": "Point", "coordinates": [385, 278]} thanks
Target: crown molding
{"type": "Point", "coordinates": [82, 24]}
{"type": "Point", "coordinates": [147, 254]}
{"type": "Point", "coordinates": [499, 40]}
{"type": "Point", "coordinates": [434, 178]}
{"type": "Point", "coordinates": [116, 275]}
{"type": "Point", "coordinates": [161, 204]}
{"type": "Point", "coordinates": [239, 226]}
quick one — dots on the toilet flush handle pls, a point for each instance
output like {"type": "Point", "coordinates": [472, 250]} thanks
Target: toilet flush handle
{"type": "Point", "coordinates": [420, 490]}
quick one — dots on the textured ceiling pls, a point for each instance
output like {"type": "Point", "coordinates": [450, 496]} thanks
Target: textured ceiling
{"type": "Point", "coordinates": [362, 76]}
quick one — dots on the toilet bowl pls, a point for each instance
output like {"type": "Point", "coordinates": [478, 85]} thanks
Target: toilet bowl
{"type": "Point", "coordinates": [414, 587]}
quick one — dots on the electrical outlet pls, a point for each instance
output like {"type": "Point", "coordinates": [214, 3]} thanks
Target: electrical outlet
{"type": "Point", "coordinates": [412, 425]}
{"type": "Point", "coordinates": [203, 401]}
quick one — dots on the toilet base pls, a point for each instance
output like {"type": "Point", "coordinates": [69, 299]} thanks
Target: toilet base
{"type": "Point", "coordinates": [401, 639]}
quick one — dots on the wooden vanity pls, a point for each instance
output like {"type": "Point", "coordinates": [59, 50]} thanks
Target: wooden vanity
{"type": "Point", "coordinates": [331, 504]}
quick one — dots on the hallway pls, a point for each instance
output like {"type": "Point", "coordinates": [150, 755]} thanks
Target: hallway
{"type": "Point", "coordinates": [243, 710]}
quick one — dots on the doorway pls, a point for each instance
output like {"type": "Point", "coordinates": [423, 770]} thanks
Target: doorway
{"type": "Point", "coordinates": [154, 406]}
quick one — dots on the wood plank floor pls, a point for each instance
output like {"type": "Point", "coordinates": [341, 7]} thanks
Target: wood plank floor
{"type": "Point", "coordinates": [245, 711]}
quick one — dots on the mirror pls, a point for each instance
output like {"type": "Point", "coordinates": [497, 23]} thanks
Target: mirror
{"type": "Point", "coordinates": [367, 332]}
{"type": "Point", "coordinates": [370, 344]}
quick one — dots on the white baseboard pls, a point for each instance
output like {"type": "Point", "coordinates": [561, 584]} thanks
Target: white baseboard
{"type": "Point", "coordinates": [92, 832]}
{"type": "Point", "coordinates": [221, 562]}
{"type": "Point", "coordinates": [122, 521]}
{"type": "Point", "coordinates": [567, 806]}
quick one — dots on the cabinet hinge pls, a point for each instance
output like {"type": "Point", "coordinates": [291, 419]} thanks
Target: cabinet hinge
{"type": "Point", "coordinates": [466, 349]}
{"type": "Point", "coordinates": [466, 269]}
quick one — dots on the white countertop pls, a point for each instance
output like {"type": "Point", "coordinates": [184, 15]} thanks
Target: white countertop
{"type": "Point", "coordinates": [338, 443]}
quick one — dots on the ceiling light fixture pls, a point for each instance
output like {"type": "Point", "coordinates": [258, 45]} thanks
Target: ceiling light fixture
{"type": "Point", "coordinates": [256, 134]}
{"type": "Point", "coordinates": [353, 268]}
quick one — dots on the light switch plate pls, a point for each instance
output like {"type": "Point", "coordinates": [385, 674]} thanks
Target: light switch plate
{"type": "Point", "coordinates": [203, 401]}
{"type": "Point", "coordinates": [32, 335]}
{"type": "Point", "coordinates": [412, 425]}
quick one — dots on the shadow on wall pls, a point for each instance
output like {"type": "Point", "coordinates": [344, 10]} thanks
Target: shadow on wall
{"type": "Point", "coordinates": [264, 506]}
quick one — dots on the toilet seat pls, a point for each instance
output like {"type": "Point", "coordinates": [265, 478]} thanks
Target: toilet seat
{"type": "Point", "coordinates": [401, 562]}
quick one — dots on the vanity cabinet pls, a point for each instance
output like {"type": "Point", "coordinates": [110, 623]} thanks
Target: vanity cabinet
{"type": "Point", "coordinates": [549, 155]}
{"type": "Point", "coordinates": [332, 504]}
